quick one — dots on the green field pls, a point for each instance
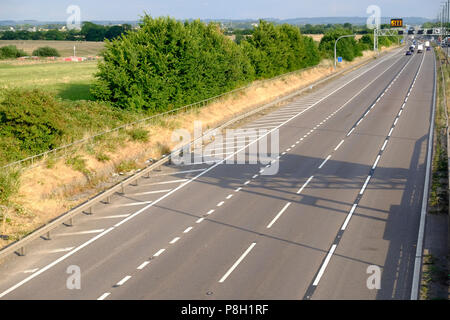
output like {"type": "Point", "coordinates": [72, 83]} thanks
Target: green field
{"type": "Point", "coordinates": [67, 80]}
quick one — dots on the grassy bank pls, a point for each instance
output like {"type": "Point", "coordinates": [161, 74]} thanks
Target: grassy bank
{"type": "Point", "coordinates": [439, 195]}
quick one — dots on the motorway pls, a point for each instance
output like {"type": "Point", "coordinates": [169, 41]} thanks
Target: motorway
{"type": "Point", "coordinates": [347, 195]}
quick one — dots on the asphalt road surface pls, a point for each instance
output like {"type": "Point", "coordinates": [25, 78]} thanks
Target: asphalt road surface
{"type": "Point", "coordinates": [344, 195]}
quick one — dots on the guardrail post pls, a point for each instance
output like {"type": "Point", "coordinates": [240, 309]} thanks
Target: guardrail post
{"type": "Point", "coordinates": [71, 222]}
{"type": "Point", "coordinates": [48, 236]}
{"type": "Point", "coordinates": [22, 251]}
{"type": "Point", "coordinates": [123, 188]}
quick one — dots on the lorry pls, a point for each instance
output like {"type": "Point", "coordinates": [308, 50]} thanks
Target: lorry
{"type": "Point", "coordinates": [420, 48]}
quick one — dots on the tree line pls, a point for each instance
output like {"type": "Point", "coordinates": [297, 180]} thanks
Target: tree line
{"type": "Point", "coordinates": [89, 32]}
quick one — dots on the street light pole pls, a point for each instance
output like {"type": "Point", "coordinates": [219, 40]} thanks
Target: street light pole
{"type": "Point", "coordinates": [335, 44]}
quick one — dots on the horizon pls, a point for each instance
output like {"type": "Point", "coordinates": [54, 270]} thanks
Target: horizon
{"type": "Point", "coordinates": [102, 10]}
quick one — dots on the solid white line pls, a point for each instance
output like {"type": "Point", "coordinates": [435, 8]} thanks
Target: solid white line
{"type": "Point", "coordinates": [180, 172]}
{"type": "Point", "coordinates": [159, 252]}
{"type": "Point", "coordinates": [187, 230]}
{"type": "Point", "coordinates": [165, 182]}
{"type": "Point", "coordinates": [339, 145]}
{"type": "Point", "coordinates": [81, 232]}
{"type": "Point", "coordinates": [121, 282]}
{"type": "Point", "coordinates": [278, 215]}
{"type": "Point", "coordinates": [349, 216]}
{"type": "Point", "coordinates": [325, 161]}
{"type": "Point", "coordinates": [111, 217]}
{"type": "Point", "coordinates": [57, 250]}
{"type": "Point", "coordinates": [304, 185]}
{"type": "Point", "coordinates": [132, 204]}
{"type": "Point", "coordinates": [324, 265]}
{"type": "Point", "coordinates": [237, 263]}
{"type": "Point", "coordinates": [148, 192]}
{"type": "Point", "coordinates": [104, 296]}
{"type": "Point", "coordinates": [220, 203]}
{"type": "Point", "coordinates": [174, 240]}
{"type": "Point", "coordinates": [143, 265]}
{"type": "Point", "coordinates": [203, 171]}
{"type": "Point", "coordinates": [423, 212]}
{"type": "Point", "coordinates": [365, 185]}
{"type": "Point", "coordinates": [31, 270]}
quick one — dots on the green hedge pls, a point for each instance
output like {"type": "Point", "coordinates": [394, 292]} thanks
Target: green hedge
{"type": "Point", "coordinates": [11, 52]}
{"type": "Point", "coordinates": [46, 52]}
{"type": "Point", "coordinates": [167, 64]}
{"type": "Point", "coordinates": [274, 50]}
{"type": "Point", "coordinates": [30, 123]}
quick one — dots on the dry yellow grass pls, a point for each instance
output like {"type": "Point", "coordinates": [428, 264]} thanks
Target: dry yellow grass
{"type": "Point", "coordinates": [47, 193]}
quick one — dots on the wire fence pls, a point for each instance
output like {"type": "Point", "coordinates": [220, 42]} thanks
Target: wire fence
{"type": "Point", "coordinates": [63, 150]}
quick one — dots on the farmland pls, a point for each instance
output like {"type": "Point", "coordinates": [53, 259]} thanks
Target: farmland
{"type": "Point", "coordinates": [67, 80]}
{"type": "Point", "coordinates": [83, 48]}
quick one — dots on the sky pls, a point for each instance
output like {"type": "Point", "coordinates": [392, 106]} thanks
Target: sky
{"type": "Point", "coordinates": [55, 10]}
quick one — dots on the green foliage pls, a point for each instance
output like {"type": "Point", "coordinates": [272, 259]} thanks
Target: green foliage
{"type": "Point", "coordinates": [347, 48]}
{"type": "Point", "coordinates": [274, 50]}
{"type": "Point", "coordinates": [33, 121]}
{"type": "Point", "coordinates": [366, 42]}
{"type": "Point", "coordinates": [29, 123]}
{"type": "Point", "coordinates": [167, 64]}
{"type": "Point", "coordinates": [11, 52]}
{"type": "Point", "coordinates": [46, 52]}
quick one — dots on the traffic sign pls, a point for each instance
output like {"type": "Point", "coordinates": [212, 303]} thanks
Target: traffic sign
{"type": "Point", "coordinates": [397, 23]}
{"type": "Point", "coordinates": [339, 59]}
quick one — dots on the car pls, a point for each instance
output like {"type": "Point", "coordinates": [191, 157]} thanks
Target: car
{"type": "Point", "coordinates": [428, 48]}
{"type": "Point", "coordinates": [409, 52]}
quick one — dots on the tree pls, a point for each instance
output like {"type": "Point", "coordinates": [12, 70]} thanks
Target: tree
{"type": "Point", "coordinates": [166, 64]}
{"type": "Point", "coordinates": [93, 32]}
